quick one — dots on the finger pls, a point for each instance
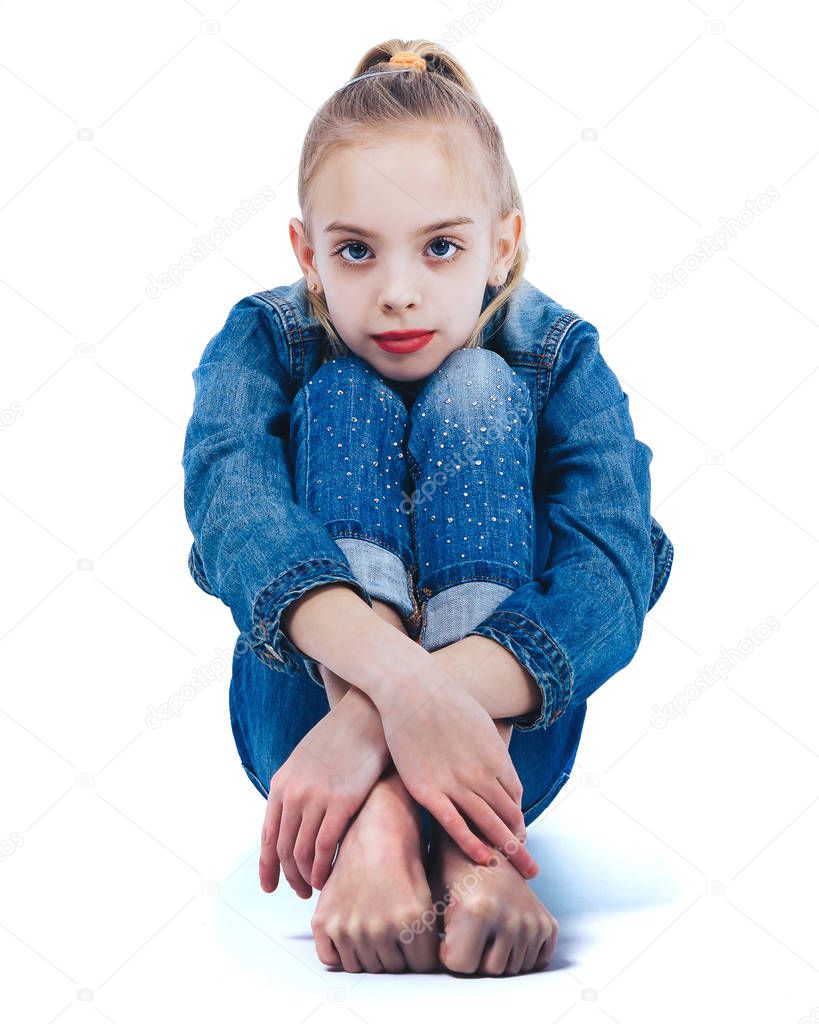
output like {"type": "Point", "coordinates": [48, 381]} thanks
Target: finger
{"type": "Point", "coordinates": [517, 954]}
{"type": "Point", "coordinates": [367, 956]}
{"type": "Point", "coordinates": [347, 952]}
{"type": "Point", "coordinates": [465, 942]}
{"type": "Point", "coordinates": [291, 820]}
{"type": "Point", "coordinates": [497, 954]}
{"type": "Point", "coordinates": [452, 822]}
{"type": "Point", "coordinates": [327, 840]}
{"type": "Point", "coordinates": [391, 957]}
{"type": "Point", "coordinates": [498, 833]}
{"type": "Point", "coordinates": [421, 951]}
{"type": "Point", "coordinates": [326, 951]}
{"type": "Point", "coordinates": [510, 780]}
{"type": "Point", "coordinates": [534, 947]}
{"type": "Point", "coordinates": [304, 847]}
{"type": "Point", "coordinates": [547, 950]}
{"type": "Point", "coordinates": [493, 828]}
{"type": "Point", "coordinates": [504, 806]}
{"type": "Point", "coordinates": [542, 958]}
{"type": "Point", "coordinates": [268, 858]}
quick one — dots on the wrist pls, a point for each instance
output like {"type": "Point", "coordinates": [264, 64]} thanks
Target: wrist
{"type": "Point", "coordinates": [363, 720]}
{"type": "Point", "coordinates": [492, 676]}
{"type": "Point", "coordinates": [384, 652]}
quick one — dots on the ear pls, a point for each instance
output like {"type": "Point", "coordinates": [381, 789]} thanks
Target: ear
{"type": "Point", "coordinates": [304, 254]}
{"type": "Point", "coordinates": [507, 239]}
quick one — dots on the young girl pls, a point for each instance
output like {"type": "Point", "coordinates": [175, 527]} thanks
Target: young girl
{"type": "Point", "coordinates": [414, 480]}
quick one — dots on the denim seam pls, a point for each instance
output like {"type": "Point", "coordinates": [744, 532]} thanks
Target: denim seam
{"type": "Point", "coordinates": [278, 582]}
{"type": "Point", "coordinates": [547, 797]}
{"type": "Point", "coordinates": [347, 535]}
{"type": "Point", "coordinates": [290, 323]}
{"type": "Point", "coordinates": [663, 574]}
{"type": "Point", "coordinates": [416, 617]}
{"type": "Point", "coordinates": [198, 577]}
{"type": "Point", "coordinates": [554, 340]}
{"type": "Point", "coordinates": [306, 447]}
{"type": "Point", "coordinates": [474, 578]}
{"type": "Point", "coordinates": [413, 463]}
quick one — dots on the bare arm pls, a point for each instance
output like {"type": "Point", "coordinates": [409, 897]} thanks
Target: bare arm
{"type": "Point", "coordinates": [352, 641]}
{"type": "Point", "coordinates": [333, 626]}
{"type": "Point", "coordinates": [493, 676]}
{"type": "Point", "coordinates": [337, 687]}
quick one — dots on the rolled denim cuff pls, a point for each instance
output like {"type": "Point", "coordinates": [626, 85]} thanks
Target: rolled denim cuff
{"type": "Point", "coordinates": [267, 640]}
{"type": "Point", "coordinates": [663, 557]}
{"type": "Point", "coordinates": [197, 570]}
{"type": "Point", "coordinates": [380, 571]}
{"type": "Point", "coordinates": [538, 653]}
{"type": "Point", "coordinates": [452, 612]}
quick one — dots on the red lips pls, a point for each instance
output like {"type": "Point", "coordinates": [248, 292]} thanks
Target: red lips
{"type": "Point", "coordinates": [399, 335]}
{"type": "Point", "coordinates": [403, 343]}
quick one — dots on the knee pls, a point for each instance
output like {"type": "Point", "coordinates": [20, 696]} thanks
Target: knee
{"type": "Point", "coordinates": [472, 384]}
{"type": "Point", "coordinates": [351, 369]}
{"type": "Point", "coordinates": [351, 377]}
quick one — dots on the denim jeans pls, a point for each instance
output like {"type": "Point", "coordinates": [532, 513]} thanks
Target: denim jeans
{"type": "Point", "coordinates": [427, 489]}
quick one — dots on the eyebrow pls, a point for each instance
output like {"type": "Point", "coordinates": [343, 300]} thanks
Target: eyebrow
{"type": "Point", "coordinates": [351, 229]}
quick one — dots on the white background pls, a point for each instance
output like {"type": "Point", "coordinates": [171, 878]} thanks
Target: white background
{"type": "Point", "coordinates": [680, 857]}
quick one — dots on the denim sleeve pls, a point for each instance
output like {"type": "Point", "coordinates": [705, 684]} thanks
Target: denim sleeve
{"type": "Point", "coordinates": [254, 547]}
{"type": "Point", "coordinates": [580, 620]}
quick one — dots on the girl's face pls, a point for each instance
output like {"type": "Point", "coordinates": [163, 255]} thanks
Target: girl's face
{"type": "Point", "coordinates": [399, 245]}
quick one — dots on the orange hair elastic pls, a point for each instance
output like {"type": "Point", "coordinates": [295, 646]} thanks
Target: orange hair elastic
{"type": "Point", "coordinates": [406, 58]}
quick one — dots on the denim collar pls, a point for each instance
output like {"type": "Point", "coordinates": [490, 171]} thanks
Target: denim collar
{"type": "Point", "coordinates": [519, 331]}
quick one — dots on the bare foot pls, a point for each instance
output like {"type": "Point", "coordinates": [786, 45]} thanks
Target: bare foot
{"type": "Point", "coordinates": [494, 923]}
{"type": "Point", "coordinates": [377, 890]}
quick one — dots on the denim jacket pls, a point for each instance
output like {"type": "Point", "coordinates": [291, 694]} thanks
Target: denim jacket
{"type": "Point", "coordinates": [602, 558]}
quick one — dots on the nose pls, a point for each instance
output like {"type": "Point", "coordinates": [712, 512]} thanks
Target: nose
{"type": "Point", "coordinates": [395, 296]}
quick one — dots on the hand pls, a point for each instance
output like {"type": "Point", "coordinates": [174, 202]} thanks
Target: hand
{"type": "Point", "coordinates": [316, 792]}
{"type": "Point", "coordinates": [447, 750]}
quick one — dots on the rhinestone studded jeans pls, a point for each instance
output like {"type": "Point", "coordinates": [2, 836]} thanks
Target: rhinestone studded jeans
{"type": "Point", "coordinates": [428, 491]}
{"type": "Point", "coordinates": [431, 500]}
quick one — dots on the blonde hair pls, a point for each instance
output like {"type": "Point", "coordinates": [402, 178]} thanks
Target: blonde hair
{"type": "Point", "coordinates": [443, 96]}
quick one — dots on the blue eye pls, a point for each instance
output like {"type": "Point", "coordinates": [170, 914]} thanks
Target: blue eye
{"type": "Point", "coordinates": [351, 245]}
{"type": "Point", "coordinates": [446, 241]}
{"type": "Point", "coordinates": [358, 246]}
